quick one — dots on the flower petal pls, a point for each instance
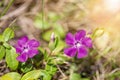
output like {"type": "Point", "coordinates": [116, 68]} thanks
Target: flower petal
{"type": "Point", "coordinates": [87, 42]}
{"type": "Point", "coordinates": [18, 49]}
{"type": "Point", "coordinates": [33, 43]}
{"type": "Point", "coordinates": [82, 52]}
{"type": "Point", "coordinates": [69, 39]}
{"type": "Point", "coordinates": [80, 34]}
{"type": "Point", "coordinates": [22, 40]}
{"type": "Point", "coordinates": [22, 58]}
{"type": "Point", "coordinates": [32, 53]}
{"type": "Point", "coordinates": [71, 51]}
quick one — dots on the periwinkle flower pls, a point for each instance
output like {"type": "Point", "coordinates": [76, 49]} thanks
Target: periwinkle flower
{"type": "Point", "coordinates": [26, 48]}
{"type": "Point", "coordinates": [78, 44]}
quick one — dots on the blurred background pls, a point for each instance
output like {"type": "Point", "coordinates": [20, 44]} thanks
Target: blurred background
{"type": "Point", "coordinates": [40, 18]}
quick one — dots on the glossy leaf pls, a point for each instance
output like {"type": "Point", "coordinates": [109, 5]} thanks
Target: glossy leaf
{"type": "Point", "coordinates": [11, 76]}
{"type": "Point", "coordinates": [8, 34]}
{"type": "Point", "coordinates": [35, 74]}
{"type": "Point", "coordinates": [1, 38]}
{"type": "Point", "coordinates": [6, 45]}
{"type": "Point", "coordinates": [11, 58]}
{"type": "Point", "coordinates": [2, 52]}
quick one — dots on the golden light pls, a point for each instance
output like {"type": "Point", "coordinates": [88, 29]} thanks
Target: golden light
{"type": "Point", "coordinates": [112, 5]}
{"type": "Point", "coordinates": [106, 14]}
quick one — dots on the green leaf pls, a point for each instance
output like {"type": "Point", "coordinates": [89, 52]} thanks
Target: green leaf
{"type": "Point", "coordinates": [51, 69]}
{"type": "Point", "coordinates": [56, 42]}
{"type": "Point", "coordinates": [1, 38]}
{"type": "Point", "coordinates": [35, 74]}
{"type": "Point", "coordinates": [6, 45]}
{"type": "Point", "coordinates": [11, 58]}
{"type": "Point", "coordinates": [75, 76]}
{"type": "Point", "coordinates": [60, 59]}
{"type": "Point", "coordinates": [46, 35]}
{"type": "Point", "coordinates": [53, 16]}
{"type": "Point", "coordinates": [53, 44]}
{"type": "Point", "coordinates": [59, 30]}
{"type": "Point", "coordinates": [85, 79]}
{"type": "Point", "coordinates": [11, 76]}
{"type": "Point", "coordinates": [44, 52]}
{"type": "Point", "coordinates": [8, 34]}
{"type": "Point", "coordinates": [97, 33]}
{"type": "Point", "coordinates": [26, 67]}
{"type": "Point", "coordinates": [59, 47]}
{"type": "Point", "coordinates": [113, 75]}
{"type": "Point", "coordinates": [46, 55]}
{"type": "Point", "coordinates": [2, 52]}
{"type": "Point", "coordinates": [46, 75]}
{"type": "Point", "coordinates": [39, 22]}
{"type": "Point", "coordinates": [41, 50]}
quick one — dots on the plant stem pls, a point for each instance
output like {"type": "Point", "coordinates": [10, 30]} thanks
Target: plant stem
{"type": "Point", "coordinates": [6, 9]}
{"type": "Point", "coordinates": [43, 14]}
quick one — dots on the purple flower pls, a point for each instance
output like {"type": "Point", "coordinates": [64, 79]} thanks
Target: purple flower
{"type": "Point", "coordinates": [26, 48]}
{"type": "Point", "coordinates": [77, 43]}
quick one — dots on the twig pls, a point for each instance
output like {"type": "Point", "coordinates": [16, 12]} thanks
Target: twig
{"type": "Point", "coordinates": [118, 69]}
{"type": "Point", "coordinates": [18, 11]}
{"type": "Point", "coordinates": [60, 70]}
